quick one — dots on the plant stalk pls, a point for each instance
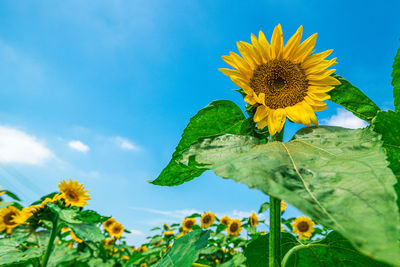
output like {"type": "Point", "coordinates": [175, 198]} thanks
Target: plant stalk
{"type": "Point", "coordinates": [275, 222]}
{"type": "Point", "coordinates": [50, 245]}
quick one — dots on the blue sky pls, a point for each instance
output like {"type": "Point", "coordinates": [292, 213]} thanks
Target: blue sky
{"type": "Point", "coordinates": [100, 91]}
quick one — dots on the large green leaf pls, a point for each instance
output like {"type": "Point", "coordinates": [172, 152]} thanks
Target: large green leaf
{"type": "Point", "coordinates": [185, 249]}
{"type": "Point", "coordinates": [337, 176]}
{"type": "Point", "coordinates": [351, 98]}
{"type": "Point", "coordinates": [396, 80]}
{"type": "Point", "coordinates": [334, 250]}
{"type": "Point", "coordinates": [87, 232]}
{"type": "Point", "coordinates": [257, 252]}
{"type": "Point", "coordinates": [66, 215]}
{"type": "Point", "coordinates": [388, 125]}
{"type": "Point", "coordinates": [219, 117]}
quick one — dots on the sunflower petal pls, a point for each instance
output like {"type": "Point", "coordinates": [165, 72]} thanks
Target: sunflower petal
{"type": "Point", "coordinates": [265, 46]}
{"type": "Point", "coordinates": [277, 42]}
{"type": "Point", "coordinates": [279, 118]}
{"type": "Point", "coordinates": [242, 65]}
{"type": "Point", "coordinates": [315, 58]}
{"type": "Point", "coordinates": [261, 113]}
{"type": "Point", "coordinates": [231, 73]}
{"type": "Point", "coordinates": [250, 99]}
{"type": "Point", "coordinates": [293, 43]}
{"type": "Point", "coordinates": [326, 81]}
{"type": "Point", "coordinates": [324, 64]}
{"type": "Point", "coordinates": [263, 123]}
{"type": "Point", "coordinates": [305, 48]}
{"type": "Point", "coordinates": [321, 75]}
{"type": "Point", "coordinates": [228, 60]}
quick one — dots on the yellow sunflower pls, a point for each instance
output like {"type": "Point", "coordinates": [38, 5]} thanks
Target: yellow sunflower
{"type": "Point", "coordinates": [283, 206]}
{"type": "Point", "coordinates": [253, 219]}
{"type": "Point", "coordinates": [142, 249]}
{"type": "Point", "coordinates": [282, 80]}
{"type": "Point", "coordinates": [303, 226]}
{"type": "Point", "coordinates": [73, 193]}
{"type": "Point", "coordinates": [234, 227]}
{"type": "Point", "coordinates": [75, 238]}
{"type": "Point", "coordinates": [22, 216]}
{"type": "Point", "coordinates": [116, 230]}
{"type": "Point", "coordinates": [7, 216]}
{"type": "Point", "coordinates": [187, 224]}
{"type": "Point", "coordinates": [225, 220]}
{"type": "Point", "coordinates": [207, 219]}
{"type": "Point", "coordinates": [108, 241]}
{"type": "Point", "coordinates": [107, 224]}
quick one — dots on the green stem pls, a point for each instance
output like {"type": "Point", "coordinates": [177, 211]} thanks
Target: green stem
{"type": "Point", "coordinates": [199, 265]}
{"type": "Point", "coordinates": [296, 248]}
{"type": "Point", "coordinates": [50, 245]}
{"type": "Point", "coordinates": [275, 222]}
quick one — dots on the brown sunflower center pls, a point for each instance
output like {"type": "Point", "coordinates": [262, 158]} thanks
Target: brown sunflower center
{"type": "Point", "coordinates": [303, 226]}
{"type": "Point", "coordinates": [189, 224]}
{"type": "Point", "coordinates": [117, 229]}
{"type": "Point", "coordinates": [206, 219]}
{"type": "Point", "coordinates": [234, 227]}
{"type": "Point", "coordinates": [72, 196]}
{"type": "Point", "coordinates": [283, 83]}
{"type": "Point", "coordinates": [9, 217]}
{"type": "Point", "coordinates": [252, 221]}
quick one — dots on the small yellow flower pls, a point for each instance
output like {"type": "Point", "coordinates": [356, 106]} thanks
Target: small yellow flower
{"type": "Point", "coordinates": [73, 193]}
{"type": "Point", "coordinates": [170, 246]}
{"type": "Point", "coordinates": [283, 206]}
{"type": "Point", "coordinates": [75, 238]}
{"type": "Point", "coordinates": [107, 224]}
{"type": "Point", "coordinates": [142, 249]}
{"type": "Point", "coordinates": [125, 257]}
{"type": "Point", "coordinates": [282, 81]}
{"type": "Point", "coordinates": [188, 223]}
{"type": "Point", "coordinates": [143, 264]}
{"type": "Point", "coordinates": [134, 250]}
{"type": "Point", "coordinates": [116, 230]}
{"type": "Point", "coordinates": [70, 245]}
{"type": "Point", "coordinates": [164, 250]}
{"type": "Point", "coordinates": [282, 230]}
{"type": "Point", "coordinates": [108, 241]}
{"type": "Point", "coordinates": [65, 229]}
{"type": "Point", "coordinates": [168, 233]}
{"type": "Point", "coordinates": [253, 219]}
{"type": "Point", "coordinates": [234, 227]}
{"type": "Point", "coordinates": [303, 226]}
{"type": "Point", "coordinates": [207, 219]}
{"type": "Point", "coordinates": [225, 220]}
{"type": "Point", "coordinates": [7, 216]}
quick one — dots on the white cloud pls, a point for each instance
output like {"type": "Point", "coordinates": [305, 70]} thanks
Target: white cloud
{"type": "Point", "coordinates": [345, 119]}
{"type": "Point", "coordinates": [136, 232]}
{"type": "Point", "coordinates": [125, 144]}
{"type": "Point", "coordinates": [79, 146]}
{"type": "Point", "coordinates": [19, 147]}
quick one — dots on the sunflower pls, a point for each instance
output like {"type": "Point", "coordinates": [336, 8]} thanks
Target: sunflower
{"type": "Point", "coordinates": [225, 220]}
{"type": "Point", "coordinates": [253, 219]}
{"type": "Point", "coordinates": [107, 224]}
{"type": "Point", "coordinates": [187, 224]}
{"type": "Point", "coordinates": [7, 216]}
{"type": "Point", "coordinates": [116, 230]}
{"type": "Point", "coordinates": [75, 238]}
{"type": "Point", "coordinates": [283, 206]}
{"type": "Point", "coordinates": [234, 227]}
{"type": "Point", "coordinates": [22, 216]}
{"type": "Point", "coordinates": [303, 226]}
{"type": "Point", "coordinates": [73, 193]}
{"type": "Point", "coordinates": [108, 241]}
{"type": "Point", "coordinates": [142, 249]}
{"type": "Point", "coordinates": [207, 219]}
{"type": "Point", "coordinates": [282, 81]}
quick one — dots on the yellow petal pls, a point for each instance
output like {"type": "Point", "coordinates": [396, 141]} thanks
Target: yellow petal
{"type": "Point", "coordinates": [231, 73]}
{"type": "Point", "coordinates": [271, 125]}
{"type": "Point", "coordinates": [319, 96]}
{"type": "Point", "coordinates": [305, 48]}
{"type": "Point", "coordinates": [229, 61]}
{"type": "Point", "coordinates": [242, 84]}
{"type": "Point", "coordinates": [321, 75]}
{"type": "Point", "coordinates": [277, 42]}
{"type": "Point", "coordinates": [258, 49]}
{"type": "Point", "coordinates": [315, 58]}
{"type": "Point", "coordinates": [246, 54]}
{"type": "Point", "coordinates": [253, 52]}
{"type": "Point", "coordinates": [313, 102]}
{"type": "Point", "coordinates": [324, 64]}
{"type": "Point", "coordinates": [279, 118]}
{"type": "Point", "coordinates": [261, 113]}
{"type": "Point", "coordinates": [326, 81]}
{"type": "Point", "coordinates": [250, 99]}
{"type": "Point", "coordinates": [242, 65]}
{"type": "Point", "coordinates": [293, 43]}
{"type": "Point", "coordinates": [265, 46]}
{"type": "Point", "coordinates": [319, 88]}
{"type": "Point", "coordinates": [294, 114]}
{"type": "Point", "coordinates": [261, 98]}
{"type": "Point", "coordinates": [319, 108]}
{"type": "Point", "coordinates": [262, 123]}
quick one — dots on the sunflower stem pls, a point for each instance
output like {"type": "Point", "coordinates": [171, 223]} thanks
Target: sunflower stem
{"type": "Point", "coordinates": [275, 222]}
{"type": "Point", "coordinates": [50, 245]}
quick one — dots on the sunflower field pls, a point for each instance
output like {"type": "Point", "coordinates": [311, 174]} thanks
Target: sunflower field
{"type": "Point", "coordinates": [345, 181]}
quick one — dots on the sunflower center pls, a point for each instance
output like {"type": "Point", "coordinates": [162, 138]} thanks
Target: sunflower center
{"type": "Point", "coordinates": [189, 224]}
{"type": "Point", "coordinates": [117, 229]}
{"type": "Point", "coordinates": [283, 83]}
{"type": "Point", "coordinates": [9, 217]}
{"type": "Point", "coordinates": [303, 226]}
{"type": "Point", "coordinates": [206, 219]}
{"type": "Point", "coordinates": [234, 227]}
{"type": "Point", "coordinates": [72, 195]}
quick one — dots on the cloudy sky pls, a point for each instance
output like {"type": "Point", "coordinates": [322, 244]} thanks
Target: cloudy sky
{"type": "Point", "coordinates": [100, 91]}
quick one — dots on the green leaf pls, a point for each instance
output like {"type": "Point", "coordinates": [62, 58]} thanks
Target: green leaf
{"type": "Point", "coordinates": [185, 249]}
{"type": "Point", "coordinates": [12, 195]}
{"type": "Point", "coordinates": [387, 123]}
{"type": "Point", "coordinates": [67, 215]}
{"type": "Point", "coordinates": [219, 117]}
{"type": "Point", "coordinates": [237, 260]}
{"type": "Point", "coordinates": [396, 80]}
{"type": "Point", "coordinates": [351, 98]}
{"type": "Point", "coordinates": [91, 216]}
{"type": "Point", "coordinates": [334, 250]}
{"type": "Point", "coordinates": [263, 207]}
{"type": "Point", "coordinates": [4, 204]}
{"type": "Point", "coordinates": [17, 257]}
{"type": "Point", "coordinates": [320, 172]}
{"type": "Point", "coordinates": [87, 232]}
{"type": "Point", "coordinates": [257, 253]}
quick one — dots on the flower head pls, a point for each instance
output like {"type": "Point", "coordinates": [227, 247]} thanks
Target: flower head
{"type": "Point", "coordinates": [142, 249]}
{"type": "Point", "coordinates": [107, 224]}
{"type": "Point", "coordinates": [303, 226]}
{"type": "Point", "coordinates": [187, 224]}
{"type": "Point", "coordinates": [116, 230]}
{"type": "Point", "coordinates": [7, 216]}
{"type": "Point", "coordinates": [253, 219]}
{"type": "Point", "coordinates": [234, 227]}
{"type": "Point", "coordinates": [73, 193]}
{"type": "Point", "coordinates": [283, 206]}
{"type": "Point", "coordinates": [207, 219]}
{"type": "Point", "coordinates": [225, 220]}
{"type": "Point", "coordinates": [282, 81]}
